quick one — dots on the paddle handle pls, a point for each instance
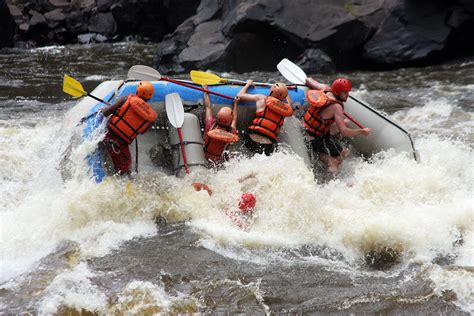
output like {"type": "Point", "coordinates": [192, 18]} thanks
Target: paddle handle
{"type": "Point", "coordinates": [262, 84]}
{"type": "Point", "coordinates": [353, 120]}
{"type": "Point", "coordinates": [96, 98]}
{"type": "Point", "coordinates": [196, 88]}
{"type": "Point", "coordinates": [183, 150]}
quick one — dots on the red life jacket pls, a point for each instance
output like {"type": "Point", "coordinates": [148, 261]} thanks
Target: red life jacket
{"type": "Point", "coordinates": [216, 142]}
{"type": "Point", "coordinates": [132, 118]}
{"type": "Point", "coordinates": [269, 121]}
{"type": "Point", "coordinates": [313, 122]}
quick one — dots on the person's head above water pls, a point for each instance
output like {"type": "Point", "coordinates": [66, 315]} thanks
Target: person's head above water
{"type": "Point", "coordinates": [341, 87]}
{"type": "Point", "coordinates": [224, 117]}
{"type": "Point", "coordinates": [247, 202]}
{"type": "Point", "coordinates": [279, 91]}
{"type": "Point", "coordinates": [145, 90]}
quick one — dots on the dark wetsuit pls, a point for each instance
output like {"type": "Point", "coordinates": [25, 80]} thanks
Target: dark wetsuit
{"type": "Point", "coordinates": [327, 144]}
{"type": "Point", "coordinates": [258, 148]}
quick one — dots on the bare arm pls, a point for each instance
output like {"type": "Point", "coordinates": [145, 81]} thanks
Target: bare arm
{"type": "Point", "coordinates": [313, 84]}
{"type": "Point", "coordinates": [259, 99]}
{"type": "Point", "coordinates": [112, 108]}
{"type": "Point", "coordinates": [341, 124]}
{"type": "Point", "coordinates": [248, 176]}
{"type": "Point", "coordinates": [234, 113]}
{"type": "Point", "coordinates": [288, 99]}
{"type": "Point", "coordinates": [246, 97]}
{"type": "Point", "coordinates": [207, 104]}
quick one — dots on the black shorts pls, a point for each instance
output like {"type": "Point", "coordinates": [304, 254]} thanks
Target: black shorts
{"type": "Point", "coordinates": [326, 144]}
{"type": "Point", "coordinates": [258, 148]}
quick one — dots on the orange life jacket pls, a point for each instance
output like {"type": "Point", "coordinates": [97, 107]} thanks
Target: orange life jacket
{"type": "Point", "coordinates": [269, 121]}
{"type": "Point", "coordinates": [313, 122]}
{"type": "Point", "coordinates": [216, 142]}
{"type": "Point", "coordinates": [132, 118]}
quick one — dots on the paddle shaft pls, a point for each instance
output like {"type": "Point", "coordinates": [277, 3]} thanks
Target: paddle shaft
{"type": "Point", "coordinates": [96, 98]}
{"type": "Point", "coordinates": [95, 113]}
{"type": "Point", "coordinates": [196, 88]}
{"type": "Point", "coordinates": [183, 150]}
{"type": "Point", "coordinates": [353, 120]}
{"type": "Point", "coordinates": [261, 84]}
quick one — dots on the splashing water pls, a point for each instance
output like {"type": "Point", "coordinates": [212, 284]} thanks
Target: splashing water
{"type": "Point", "coordinates": [419, 213]}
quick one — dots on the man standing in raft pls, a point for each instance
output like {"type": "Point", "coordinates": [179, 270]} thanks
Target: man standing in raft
{"type": "Point", "coordinates": [326, 106]}
{"type": "Point", "coordinates": [219, 131]}
{"type": "Point", "coordinates": [131, 115]}
{"type": "Point", "coordinates": [262, 134]}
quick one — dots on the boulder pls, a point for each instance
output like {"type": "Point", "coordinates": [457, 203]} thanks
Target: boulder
{"type": "Point", "coordinates": [99, 38]}
{"type": "Point", "coordinates": [24, 27]}
{"type": "Point", "coordinates": [255, 34]}
{"type": "Point", "coordinates": [37, 18]}
{"type": "Point", "coordinates": [15, 12]}
{"type": "Point", "coordinates": [104, 5]}
{"type": "Point", "coordinates": [167, 59]}
{"type": "Point", "coordinates": [207, 10]}
{"type": "Point", "coordinates": [205, 47]}
{"type": "Point", "coordinates": [410, 32]}
{"type": "Point", "coordinates": [85, 38]}
{"type": "Point", "coordinates": [56, 15]}
{"type": "Point", "coordinates": [7, 26]}
{"type": "Point", "coordinates": [76, 21]}
{"type": "Point", "coordinates": [59, 3]}
{"type": "Point", "coordinates": [103, 23]}
{"type": "Point", "coordinates": [316, 61]}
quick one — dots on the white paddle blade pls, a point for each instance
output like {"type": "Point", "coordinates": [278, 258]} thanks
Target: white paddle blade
{"type": "Point", "coordinates": [174, 109]}
{"type": "Point", "coordinates": [142, 72]}
{"type": "Point", "coordinates": [291, 72]}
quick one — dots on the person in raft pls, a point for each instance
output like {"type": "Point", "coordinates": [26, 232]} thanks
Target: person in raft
{"type": "Point", "coordinates": [326, 106]}
{"type": "Point", "coordinates": [129, 116]}
{"type": "Point", "coordinates": [219, 131]}
{"type": "Point", "coordinates": [262, 135]}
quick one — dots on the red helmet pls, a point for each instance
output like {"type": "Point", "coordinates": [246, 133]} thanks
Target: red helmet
{"type": "Point", "coordinates": [339, 85]}
{"type": "Point", "coordinates": [224, 117]}
{"type": "Point", "coordinates": [247, 202]}
{"type": "Point", "coordinates": [145, 90]}
{"type": "Point", "coordinates": [279, 91]}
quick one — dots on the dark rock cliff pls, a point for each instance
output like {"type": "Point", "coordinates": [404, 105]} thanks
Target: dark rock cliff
{"type": "Point", "coordinates": [319, 35]}
{"type": "Point", "coordinates": [46, 22]}
{"type": "Point", "coordinates": [7, 26]}
{"type": "Point", "coordinates": [250, 35]}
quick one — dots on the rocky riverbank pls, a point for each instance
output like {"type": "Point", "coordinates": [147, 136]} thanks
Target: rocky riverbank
{"type": "Point", "coordinates": [248, 35]}
{"type": "Point", "coordinates": [49, 22]}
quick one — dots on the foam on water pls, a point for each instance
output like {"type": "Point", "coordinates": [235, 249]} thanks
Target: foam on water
{"type": "Point", "coordinates": [420, 210]}
{"type": "Point", "coordinates": [75, 290]}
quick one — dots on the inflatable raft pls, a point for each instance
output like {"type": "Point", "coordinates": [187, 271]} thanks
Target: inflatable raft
{"type": "Point", "coordinates": [386, 133]}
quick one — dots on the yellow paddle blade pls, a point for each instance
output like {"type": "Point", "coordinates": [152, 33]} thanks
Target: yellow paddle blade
{"type": "Point", "coordinates": [202, 77]}
{"type": "Point", "coordinates": [73, 87]}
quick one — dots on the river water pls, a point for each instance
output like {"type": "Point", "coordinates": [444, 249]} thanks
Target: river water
{"type": "Point", "coordinates": [389, 236]}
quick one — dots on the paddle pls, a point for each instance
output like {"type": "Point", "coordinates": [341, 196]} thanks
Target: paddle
{"type": "Point", "coordinates": [74, 88]}
{"type": "Point", "coordinates": [175, 114]}
{"type": "Point", "coordinates": [203, 77]}
{"type": "Point", "coordinates": [296, 75]}
{"type": "Point", "coordinates": [147, 73]}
